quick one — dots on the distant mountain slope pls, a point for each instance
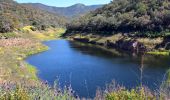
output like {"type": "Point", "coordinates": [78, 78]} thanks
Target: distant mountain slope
{"type": "Point", "coordinates": [14, 15]}
{"type": "Point", "coordinates": [72, 11]}
{"type": "Point", "coordinates": [138, 17]}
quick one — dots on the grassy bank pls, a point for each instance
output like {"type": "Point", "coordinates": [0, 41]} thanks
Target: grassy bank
{"type": "Point", "coordinates": [14, 49]}
{"type": "Point", "coordinates": [18, 80]}
{"type": "Point", "coordinates": [13, 52]}
{"type": "Point", "coordinates": [160, 53]}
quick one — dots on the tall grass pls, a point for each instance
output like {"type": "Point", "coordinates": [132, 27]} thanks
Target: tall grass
{"type": "Point", "coordinates": [40, 92]}
{"type": "Point", "coordinates": [117, 92]}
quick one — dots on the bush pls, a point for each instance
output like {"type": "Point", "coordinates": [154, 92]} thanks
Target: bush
{"type": "Point", "coordinates": [148, 17]}
{"type": "Point", "coordinates": [6, 24]}
{"type": "Point", "coordinates": [123, 94]}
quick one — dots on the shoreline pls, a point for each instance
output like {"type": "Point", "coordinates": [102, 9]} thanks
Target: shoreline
{"type": "Point", "coordinates": [118, 41]}
{"type": "Point", "coordinates": [23, 75]}
{"type": "Point", "coordinates": [19, 79]}
{"type": "Point", "coordinates": [19, 48]}
{"type": "Point", "coordinates": [46, 48]}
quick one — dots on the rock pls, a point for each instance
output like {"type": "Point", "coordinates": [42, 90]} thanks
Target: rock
{"type": "Point", "coordinates": [128, 45]}
{"type": "Point", "coordinates": [131, 45]}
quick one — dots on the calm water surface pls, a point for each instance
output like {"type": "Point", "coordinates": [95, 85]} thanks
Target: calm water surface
{"type": "Point", "coordinates": [87, 67]}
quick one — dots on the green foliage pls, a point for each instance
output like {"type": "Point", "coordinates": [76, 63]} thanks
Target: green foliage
{"type": "Point", "coordinates": [141, 8]}
{"type": "Point", "coordinates": [18, 93]}
{"type": "Point", "coordinates": [163, 53]}
{"type": "Point", "coordinates": [8, 35]}
{"type": "Point", "coordinates": [14, 16]}
{"type": "Point", "coordinates": [147, 17]}
{"type": "Point", "coordinates": [40, 92]}
{"type": "Point", "coordinates": [133, 94]}
{"type": "Point", "coordinates": [116, 92]}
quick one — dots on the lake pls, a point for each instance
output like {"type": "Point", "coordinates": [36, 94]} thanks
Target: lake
{"type": "Point", "coordinates": [86, 67]}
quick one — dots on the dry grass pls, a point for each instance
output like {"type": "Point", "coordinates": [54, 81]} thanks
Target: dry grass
{"type": "Point", "coordinates": [13, 50]}
{"type": "Point", "coordinates": [13, 42]}
{"type": "Point", "coordinates": [150, 43]}
{"type": "Point", "coordinates": [12, 66]}
{"type": "Point", "coordinates": [49, 34]}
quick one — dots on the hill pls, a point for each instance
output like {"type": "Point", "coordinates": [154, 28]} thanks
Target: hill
{"type": "Point", "coordinates": [14, 16]}
{"type": "Point", "coordinates": [69, 12]}
{"type": "Point", "coordinates": [137, 17]}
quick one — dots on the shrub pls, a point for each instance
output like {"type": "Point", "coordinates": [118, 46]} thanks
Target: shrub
{"type": "Point", "coordinates": [134, 94]}
{"type": "Point", "coordinates": [29, 28]}
{"type": "Point", "coordinates": [6, 24]}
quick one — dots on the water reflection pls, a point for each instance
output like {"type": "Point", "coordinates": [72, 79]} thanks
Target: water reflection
{"type": "Point", "coordinates": [146, 63]}
{"type": "Point", "coordinates": [90, 49]}
{"type": "Point", "coordinates": [87, 67]}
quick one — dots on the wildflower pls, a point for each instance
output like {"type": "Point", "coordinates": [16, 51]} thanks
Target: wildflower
{"type": "Point", "coordinates": [51, 35]}
{"type": "Point", "coordinates": [19, 58]}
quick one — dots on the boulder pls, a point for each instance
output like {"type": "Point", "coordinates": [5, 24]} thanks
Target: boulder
{"type": "Point", "coordinates": [108, 43]}
{"type": "Point", "coordinates": [131, 45]}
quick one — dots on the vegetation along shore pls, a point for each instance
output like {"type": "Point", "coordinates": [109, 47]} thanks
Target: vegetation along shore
{"type": "Point", "coordinates": [126, 24]}
{"type": "Point", "coordinates": [141, 26]}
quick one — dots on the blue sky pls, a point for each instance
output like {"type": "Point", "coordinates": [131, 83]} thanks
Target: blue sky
{"type": "Point", "coordinates": [65, 3]}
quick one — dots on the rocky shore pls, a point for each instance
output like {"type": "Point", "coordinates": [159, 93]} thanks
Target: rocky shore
{"type": "Point", "coordinates": [126, 43]}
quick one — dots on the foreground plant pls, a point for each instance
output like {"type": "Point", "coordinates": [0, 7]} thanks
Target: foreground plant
{"type": "Point", "coordinates": [39, 92]}
{"type": "Point", "coordinates": [117, 92]}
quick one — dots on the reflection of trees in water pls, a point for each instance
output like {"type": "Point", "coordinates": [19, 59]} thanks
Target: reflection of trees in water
{"type": "Point", "coordinates": [144, 60]}
{"type": "Point", "coordinates": [157, 61]}
{"type": "Point", "coordinates": [95, 50]}
{"type": "Point", "coordinates": [151, 61]}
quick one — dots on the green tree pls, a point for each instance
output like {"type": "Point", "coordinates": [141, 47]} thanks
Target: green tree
{"type": "Point", "coordinates": [141, 8]}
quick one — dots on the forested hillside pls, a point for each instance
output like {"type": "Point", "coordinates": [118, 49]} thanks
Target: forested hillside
{"type": "Point", "coordinates": [69, 12]}
{"type": "Point", "coordinates": [14, 16]}
{"type": "Point", "coordinates": [138, 17]}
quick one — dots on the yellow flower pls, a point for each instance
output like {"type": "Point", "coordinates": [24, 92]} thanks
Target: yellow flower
{"type": "Point", "coordinates": [1, 51]}
{"type": "Point", "coordinates": [19, 58]}
{"type": "Point", "coordinates": [51, 35]}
